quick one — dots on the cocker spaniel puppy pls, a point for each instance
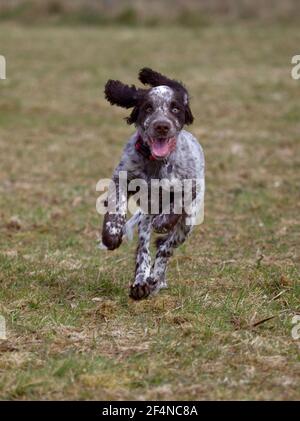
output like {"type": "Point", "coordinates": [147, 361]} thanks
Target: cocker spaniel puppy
{"type": "Point", "coordinates": [163, 164]}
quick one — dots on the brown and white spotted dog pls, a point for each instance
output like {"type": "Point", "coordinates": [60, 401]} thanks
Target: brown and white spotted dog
{"type": "Point", "coordinates": [159, 149]}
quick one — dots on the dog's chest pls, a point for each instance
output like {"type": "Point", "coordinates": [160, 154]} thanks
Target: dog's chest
{"type": "Point", "coordinates": [167, 171]}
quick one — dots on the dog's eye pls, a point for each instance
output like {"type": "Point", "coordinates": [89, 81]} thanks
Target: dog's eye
{"type": "Point", "coordinates": [149, 109]}
{"type": "Point", "coordinates": [175, 110]}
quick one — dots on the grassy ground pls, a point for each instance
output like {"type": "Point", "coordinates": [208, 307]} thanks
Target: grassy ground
{"type": "Point", "coordinates": [72, 332]}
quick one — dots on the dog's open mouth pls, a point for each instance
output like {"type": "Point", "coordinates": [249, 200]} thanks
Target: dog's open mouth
{"type": "Point", "coordinates": [162, 147]}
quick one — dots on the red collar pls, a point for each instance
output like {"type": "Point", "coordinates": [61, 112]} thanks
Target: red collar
{"type": "Point", "coordinates": [142, 148]}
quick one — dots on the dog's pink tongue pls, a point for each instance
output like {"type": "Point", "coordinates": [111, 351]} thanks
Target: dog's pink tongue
{"type": "Point", "coordinates": [160, 148]}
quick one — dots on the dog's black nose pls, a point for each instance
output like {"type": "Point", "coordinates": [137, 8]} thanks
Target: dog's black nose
{"type": "Point", "coordinates": [162, 128]}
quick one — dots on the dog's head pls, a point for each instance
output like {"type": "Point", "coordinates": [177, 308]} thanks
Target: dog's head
{"type": "Point", "coordinates": [159, 112]}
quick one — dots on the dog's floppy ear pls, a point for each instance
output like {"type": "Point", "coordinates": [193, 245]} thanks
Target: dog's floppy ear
{"type": "Point", "coordinates": [133, 116]}
{"type": "Point", "coordinates": [189, 118]}
{"type": "Point", "coordinates": [117, 93]}
{"type": "Point", "coordinates": [152, 78]}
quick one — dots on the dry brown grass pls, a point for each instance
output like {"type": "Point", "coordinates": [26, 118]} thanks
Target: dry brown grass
{"type": "Point", "coordinates": [72, 331]}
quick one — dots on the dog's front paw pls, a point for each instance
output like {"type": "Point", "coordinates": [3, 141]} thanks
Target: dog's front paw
{"type": "Point", "coordinates": [112, 232]}
{"type": "Point", "coordinates": [112, 242]}
{"type": "Point", "coordinates": [138, 292]}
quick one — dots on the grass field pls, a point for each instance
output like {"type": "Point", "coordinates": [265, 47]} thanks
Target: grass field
{"type": "Point", "coordinates": [72, 332]}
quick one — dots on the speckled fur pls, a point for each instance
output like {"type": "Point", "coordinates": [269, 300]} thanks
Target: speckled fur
{"type": "Point", "coordinates": [186, 161]}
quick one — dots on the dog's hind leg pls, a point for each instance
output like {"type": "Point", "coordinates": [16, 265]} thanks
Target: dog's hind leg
{"type": "Point", "coordinates": [163, 223]}
{"type": "Point", "coordinates": [165, 247]}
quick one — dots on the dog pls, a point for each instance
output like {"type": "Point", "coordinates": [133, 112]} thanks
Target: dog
{"type": "Point", "coordinates": [160, 149]}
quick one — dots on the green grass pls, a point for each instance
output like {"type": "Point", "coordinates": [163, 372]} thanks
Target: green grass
{"type": "Point", "coordinates": [72, 332]}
